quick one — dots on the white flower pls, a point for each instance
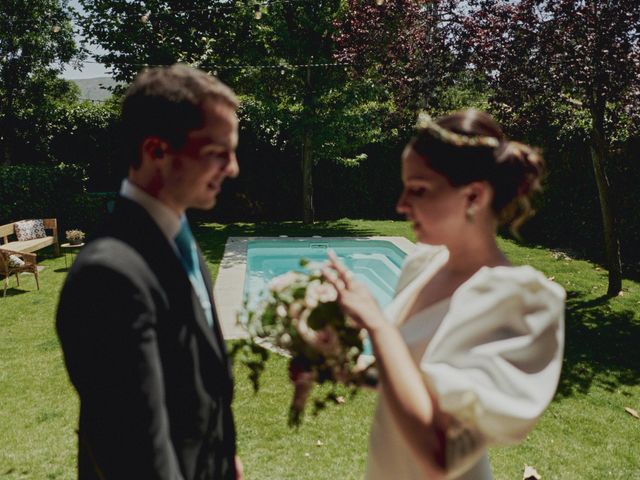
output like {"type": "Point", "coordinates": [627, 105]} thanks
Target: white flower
{"type": "Point", "coordinates": [281, 310]}
{"type": "Point", "coordinates": [283, 281]}
{"type": "Point", "coordinates": [316, 266]}
{"type": "Point", "coordinates": [318, 292]}
{"type": "Point", "coordinates": [285, 340]}
{"type": "Point", "coordinates": [311, 295]}
{"type": "Point", "coordinates": [295, 309]}
{"type": "Point", "coordinates": [328, 293]}
{"type": "Point", "coordinates": [303, 328]}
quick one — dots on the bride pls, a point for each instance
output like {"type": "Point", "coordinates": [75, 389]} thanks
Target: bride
{"type": "Point", "coordinates": [470, 350]}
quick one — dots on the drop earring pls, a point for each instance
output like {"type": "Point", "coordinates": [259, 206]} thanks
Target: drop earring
{"type": "Point", "coordinates": [469, 214]}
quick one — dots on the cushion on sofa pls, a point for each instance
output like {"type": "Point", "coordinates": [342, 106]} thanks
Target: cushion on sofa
{"type": "Point", "coordinates": [29, 229]}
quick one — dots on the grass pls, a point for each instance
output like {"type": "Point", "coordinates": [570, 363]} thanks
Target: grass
{"type": "Point", "coordinates": [585, 434]}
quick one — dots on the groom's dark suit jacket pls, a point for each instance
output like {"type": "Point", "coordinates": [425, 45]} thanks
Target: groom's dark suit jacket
{"type": "Point", "coordinates": [153, 378]}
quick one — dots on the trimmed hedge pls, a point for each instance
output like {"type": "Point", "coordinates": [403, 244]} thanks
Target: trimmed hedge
{"type": "Point", "coordinates": [270, 184]}
{"type": "Point", "coordinates": [43, 191]}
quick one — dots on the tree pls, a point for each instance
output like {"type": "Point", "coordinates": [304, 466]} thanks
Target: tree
{"type": "Point", "coordinates": [408, 46]}
{"type": "Point", "coordinates": [36, 39]}
{"type": "Point", "coordinates": [542, 56]}
{"type": "Point", "coordinates": [294, 95]}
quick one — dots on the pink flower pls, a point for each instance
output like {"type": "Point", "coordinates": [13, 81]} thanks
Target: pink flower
{"type": "Point", "coordinates": [324, 340]}
{"type": "Point", "coordinates": [327, 341]}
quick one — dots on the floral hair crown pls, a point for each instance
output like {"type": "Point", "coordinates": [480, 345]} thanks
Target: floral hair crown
{"type": "Point", "coordinates": [446, 136]}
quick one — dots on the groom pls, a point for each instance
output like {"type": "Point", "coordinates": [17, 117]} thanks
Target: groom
{"type": "Point", "coordinates": [141, 340]}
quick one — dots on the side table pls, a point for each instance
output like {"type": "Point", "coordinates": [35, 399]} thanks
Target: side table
{"type": "Point", "coordinates": [71, 249]}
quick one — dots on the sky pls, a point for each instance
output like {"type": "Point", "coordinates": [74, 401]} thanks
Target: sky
{"type": "Point", "coordinates": [89, 69]}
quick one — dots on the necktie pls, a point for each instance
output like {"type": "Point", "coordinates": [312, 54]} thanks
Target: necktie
{"type": "Point", "coordinates": [189, 258]}
{"type": "Point", "coordinates": [186, 246]}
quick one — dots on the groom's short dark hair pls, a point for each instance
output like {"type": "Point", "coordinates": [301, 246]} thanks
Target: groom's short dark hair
{"type": "Point", "coordinates": [166, 102]}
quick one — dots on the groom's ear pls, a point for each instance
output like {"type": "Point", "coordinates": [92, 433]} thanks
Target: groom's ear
{"type": "Point", "coordinates": [153, 149]}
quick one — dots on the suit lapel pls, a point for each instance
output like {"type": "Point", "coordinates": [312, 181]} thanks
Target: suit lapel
{"type": "Point", "coordinates": [211, 333]}
{"type": "Point", "coordinates": [206, 275]}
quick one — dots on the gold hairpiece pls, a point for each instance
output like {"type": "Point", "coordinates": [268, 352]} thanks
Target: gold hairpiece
{"type": "Point", "coordinates": [442, 134]}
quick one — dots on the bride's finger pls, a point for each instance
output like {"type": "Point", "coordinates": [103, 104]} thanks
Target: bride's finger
{"type": "Point", "coordinates": [343, 272]}
{"type": "Point", "coordinates": [332, 277]}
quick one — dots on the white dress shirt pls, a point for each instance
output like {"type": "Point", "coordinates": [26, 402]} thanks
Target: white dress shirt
{"type": "Point", "coordinates": [165, 218]}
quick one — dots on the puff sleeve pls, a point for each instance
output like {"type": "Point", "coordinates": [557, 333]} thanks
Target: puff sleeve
{"type": "Point", "coordinates": [495, 361]}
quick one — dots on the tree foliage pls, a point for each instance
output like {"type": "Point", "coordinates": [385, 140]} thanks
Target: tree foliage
{"type": "Point", "coordinates": [411, 47]}
{"type": "Point", "coordinates": [282, 65]}
{"type": "Point", "coordinates": [540, 55]}
{"type": "Point", "coordinates": [36, 39]}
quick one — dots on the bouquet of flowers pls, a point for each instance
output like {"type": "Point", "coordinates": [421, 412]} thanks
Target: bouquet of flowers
{"type": "Point", "coordinates": [299, 315]}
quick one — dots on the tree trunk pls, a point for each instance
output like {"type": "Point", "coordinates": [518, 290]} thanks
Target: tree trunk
{"type": "Point", "coordinates": [307, 160]}
{"type": "Point", "coordinates": [7, 126]}
{"type": "Point", "coordinates": [611, 239]}
{"type": "Point", "coordinates": [307, 180]}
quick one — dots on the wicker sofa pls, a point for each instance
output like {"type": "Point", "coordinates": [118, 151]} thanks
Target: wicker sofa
{"type": "Point", "coordinates": [8, 240]}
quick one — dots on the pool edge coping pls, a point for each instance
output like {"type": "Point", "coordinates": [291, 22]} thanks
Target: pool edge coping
{"type": "Point", "coordinates": [229, 284]}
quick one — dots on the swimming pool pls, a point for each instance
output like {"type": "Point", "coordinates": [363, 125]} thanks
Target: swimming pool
{"type": "Point", "coordinates": [375, 260]}
{"type": "Point", "coordinates": [376, 263]}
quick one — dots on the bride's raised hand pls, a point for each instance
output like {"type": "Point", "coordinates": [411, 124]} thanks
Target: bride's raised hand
{"type": "Point", "coordinates": [353, 296]}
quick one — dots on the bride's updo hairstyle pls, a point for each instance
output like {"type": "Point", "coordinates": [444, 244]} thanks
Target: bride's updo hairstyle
{"type": "Point", "coordinates": [469, 146]}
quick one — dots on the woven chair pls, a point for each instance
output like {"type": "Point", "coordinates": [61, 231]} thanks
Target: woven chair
{"type": "Point", "coordinates": [7, 270]}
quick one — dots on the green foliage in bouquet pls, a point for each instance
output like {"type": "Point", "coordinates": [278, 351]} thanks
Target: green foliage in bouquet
{"type": "Point", "coordinates": [299, 316]}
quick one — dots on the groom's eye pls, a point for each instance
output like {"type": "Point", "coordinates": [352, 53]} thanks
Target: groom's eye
{"type": "Point", "coordinates": [416, 191]}
{"type": "Point", "coordinates": [214, 154]}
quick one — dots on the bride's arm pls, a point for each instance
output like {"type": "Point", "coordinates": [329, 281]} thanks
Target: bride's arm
{"type": "Point", "coordinates": [412, 405]}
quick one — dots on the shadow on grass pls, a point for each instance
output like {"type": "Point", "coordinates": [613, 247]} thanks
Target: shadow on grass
{"type": "Point", "coordinates": [13, 291]}
{"type": "Point", "coordinates": [601, 346]}
{"type": "Point", "coordinates": [630, 271]}
{"type": "Point", "coordinates": [212, 239]}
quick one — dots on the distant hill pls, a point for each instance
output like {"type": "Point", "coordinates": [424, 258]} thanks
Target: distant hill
{"type": "Point", "coordinates": [95, 88]}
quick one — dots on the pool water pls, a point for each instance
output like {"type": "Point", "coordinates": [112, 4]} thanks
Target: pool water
{"type": "Point", "coordinates": [376, 263]}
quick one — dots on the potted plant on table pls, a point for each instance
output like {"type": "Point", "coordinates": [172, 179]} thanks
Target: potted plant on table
{"type": "Point", "coordinates": [75, 237]}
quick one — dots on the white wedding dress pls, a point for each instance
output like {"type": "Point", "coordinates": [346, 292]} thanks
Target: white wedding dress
{"type": "Point", "coordinates": [491, 353]}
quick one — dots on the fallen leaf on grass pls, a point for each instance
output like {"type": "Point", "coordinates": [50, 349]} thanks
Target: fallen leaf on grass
{"type": "Point", "coordinates": [632, 412]}
{"type": "Point", "coordinates": [319, 443]}
{"type": "Point", "coordinates": [340, 400]}
{"type": "Point", "coordinates": [530, 473]}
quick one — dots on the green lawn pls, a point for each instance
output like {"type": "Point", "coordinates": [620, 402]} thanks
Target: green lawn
{"type": "Point", "coordinates": [585, 434]}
